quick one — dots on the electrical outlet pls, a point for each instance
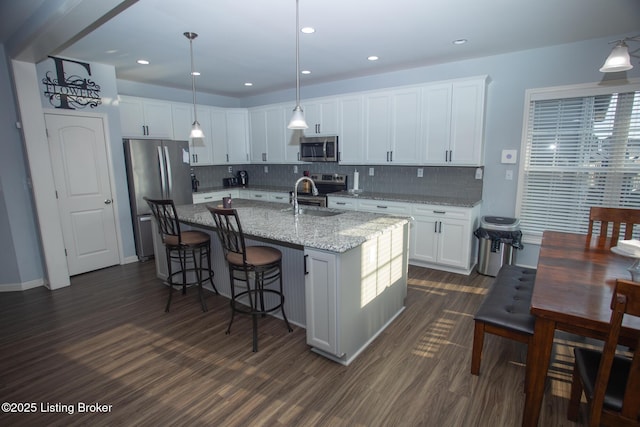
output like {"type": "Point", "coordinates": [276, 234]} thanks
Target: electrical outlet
{"type": "Point", "coordinates": [508, 175]}
{"type": "Point", "coordinates": [478, 173]}
{"type": "Point", "coordinates": [230, 169]}
{"type": "Point", "coordinates": [295, 168]}
{"type": "Point", "coordinates": [266, 169]}
{"type": "Point", "coordinates": [370, 171]}
{"type": "Point", "coordinates": [420, 172]}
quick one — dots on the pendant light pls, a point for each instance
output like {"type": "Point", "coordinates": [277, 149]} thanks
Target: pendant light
{"type": "Point", "coordinates": [196, 130]}
{"type": "Point", "coordinates": [619, 58]}
{"type": "Point", "coordinates": [297, 119]}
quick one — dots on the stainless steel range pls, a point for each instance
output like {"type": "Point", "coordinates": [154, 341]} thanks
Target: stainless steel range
{"type": "Point", "coordinates": [325, 183]}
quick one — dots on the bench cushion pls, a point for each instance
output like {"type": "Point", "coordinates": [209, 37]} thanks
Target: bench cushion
{"type": "Point", "coordinates": [508, 301]}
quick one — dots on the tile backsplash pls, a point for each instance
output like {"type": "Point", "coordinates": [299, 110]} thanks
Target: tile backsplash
{"type": "Point", "coordinates": [448, 181]}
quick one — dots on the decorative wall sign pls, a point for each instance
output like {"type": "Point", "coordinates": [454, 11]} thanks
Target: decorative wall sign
{"type": "Point", "coordinates": [71, 91]}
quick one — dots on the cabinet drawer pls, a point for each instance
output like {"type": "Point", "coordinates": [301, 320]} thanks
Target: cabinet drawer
{"type": "Point", "coordinates": [342, 203]}
{"type": "Point", "coordinates": [383, 206]}
{"type": "Point", "coordinates": [448, 212]}
{"type": "Point", "coordinates": [205, 197]}
{"type": "Point", "coordinates": [279, 197]}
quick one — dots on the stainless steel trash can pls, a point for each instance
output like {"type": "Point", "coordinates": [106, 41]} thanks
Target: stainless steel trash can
{"type": "Point", "coordinates": [497, 237]}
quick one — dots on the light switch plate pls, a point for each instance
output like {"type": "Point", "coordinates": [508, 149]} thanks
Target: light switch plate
{"type": "Point", "coordinates": [509, 156]}
{"type": "Point", "coordinates": [420, 172]}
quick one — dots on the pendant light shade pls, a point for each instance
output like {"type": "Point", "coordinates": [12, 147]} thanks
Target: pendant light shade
{"type": "Point", "coordinates": [297, 119]}
{"type": "Point", "coordinates": [618, 60]}
{"type": "Point", "coordinates": [196, 130]}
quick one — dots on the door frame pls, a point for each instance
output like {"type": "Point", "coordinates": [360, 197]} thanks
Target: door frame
{"type": "Point", "coordinates": [112, 184]}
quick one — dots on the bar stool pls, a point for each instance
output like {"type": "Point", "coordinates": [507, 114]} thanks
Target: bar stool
{"type": "Point", "coordinates": [255, 266]}
{"type": "Point", "coordinates": [190, 248]}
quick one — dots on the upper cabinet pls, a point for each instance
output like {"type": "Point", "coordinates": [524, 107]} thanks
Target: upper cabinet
{"type": "Point", "coordinates": [225, 134]}
{"type": "Point", "coordinates": [453, 122]}
{"type": "Point", "coordinates": [145, 118]}
{"type": "Point", "coordinates": [351, 141]}
{"type": "Point", "coordinates": [393, 127]}
{"type": "Point", "coordinates": [271, 141]}
{"type": "Point", "coordinates": [440, 123]}
{"type": "Point", "coordinates": [321, 116]}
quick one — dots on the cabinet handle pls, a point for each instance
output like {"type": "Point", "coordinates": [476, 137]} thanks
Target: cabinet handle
{"type": "Point", "coordinates": [208, 197]}
{"type": "Point", "coordinates": [227, 158]}
{"type": "Point", "coordinates": [440, 227]}
{"type": "Point", "coordinates": [435, 226]}
{"type": "Point", "coordinates": [439, 212]}
{"type": "Point", "coordinates": [446, 155]}
{"type": "Point", "coordinates": [258, 196]}
{"type": "Point", "coordinates": [381, 207]}
{"type": "Point", "coordinates": [305, 265]}
{"type": "Point", "coordinates": [340, 203]}
{"type": "Point", "coordinates": [298, 156]}
{"type": "Point", "coordinates": [451, 155]}
{"type": "Point", "coordinates": [391, 156]}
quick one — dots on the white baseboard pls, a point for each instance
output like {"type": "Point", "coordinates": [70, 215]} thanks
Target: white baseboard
{"type": "Point", "coordinates": [130, 260]}
{"type": "Point", "coordinates": [14, 287]}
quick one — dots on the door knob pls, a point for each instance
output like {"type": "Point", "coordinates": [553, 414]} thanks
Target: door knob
{"type": "Point", "coordinates": [107, 202]}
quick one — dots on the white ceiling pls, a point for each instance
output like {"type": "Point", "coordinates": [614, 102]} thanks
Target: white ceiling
{"type": "Point", "coordinates": [254, 40]}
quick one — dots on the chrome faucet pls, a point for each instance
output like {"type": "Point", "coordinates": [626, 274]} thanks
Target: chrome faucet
{"type": "Point", "coordinates": [314, 191]}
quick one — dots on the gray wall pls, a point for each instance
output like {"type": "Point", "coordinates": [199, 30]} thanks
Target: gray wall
{"type": "Point", "coordinates": [21, 260]}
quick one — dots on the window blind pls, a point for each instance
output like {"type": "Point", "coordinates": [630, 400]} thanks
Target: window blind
{"type": "Point", "coordinates": [579, 151]}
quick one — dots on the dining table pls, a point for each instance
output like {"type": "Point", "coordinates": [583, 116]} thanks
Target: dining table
{"type": "Point", "coordinates": [574, 285]}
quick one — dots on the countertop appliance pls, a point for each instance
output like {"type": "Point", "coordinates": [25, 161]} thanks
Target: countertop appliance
{"type": "Point", "coordinates": [158, 169]}
{"type": "Point", "coordinates": [243, 178]}
{"type": "Point", "coordinates": [319, 149]}
{"type": "Point", "coordinates": [326, 184]}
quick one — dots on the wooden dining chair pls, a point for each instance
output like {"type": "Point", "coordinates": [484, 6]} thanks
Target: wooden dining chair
{"type": "Point", "coordinates": [617, 217]}
{"type": "Point", "coordinates": [610, 382]}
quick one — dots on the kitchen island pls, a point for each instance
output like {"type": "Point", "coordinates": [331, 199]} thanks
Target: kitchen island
{"type": "Point", "coordinates": [345, 273]}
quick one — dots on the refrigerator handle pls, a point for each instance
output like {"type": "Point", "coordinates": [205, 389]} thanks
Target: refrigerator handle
{"type": "Point", "coordinates": [163, 178]}
{"type": "Point", "coordinates": [169, 175]}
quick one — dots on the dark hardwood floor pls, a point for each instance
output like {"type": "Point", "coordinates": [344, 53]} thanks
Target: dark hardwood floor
{"type": "Point", "coordinates": [106, 339]}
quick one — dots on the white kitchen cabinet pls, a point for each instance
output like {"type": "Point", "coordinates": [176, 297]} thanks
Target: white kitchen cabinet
{"type": "Point", "coordinates": [341, 319]}
{"type": "Point", "coordinates": [321, 116]}
{"type": "Point", "coordinates": [182, 116]}
{"type": "Point", "coordinates": [442, 236]}
{"type": "Point", "coordinates": [225, 134]}
{"type": "Point", "coordinates": [344, 203]}
{"type": "Point", "coordinates": [392, 124]}
{"type": "Point", "coordinates": [145, 118]}
{"type": "Point", "coordinates": [279, 197]}
{"type": "Point", "coordinates": [453, 122]}
{"type": "Point", "coordinates": [237, 140]}
{"type": "Point", "coordinates": [270, 139]}
{"type": "Point", "coordinates": [351, 140]}
{"type": "Point", "coordinates": [255, 195]}
{"type": "Point", "coordinates": [215, 196]}
{"type": "Point", "coordinates": [384, 207]}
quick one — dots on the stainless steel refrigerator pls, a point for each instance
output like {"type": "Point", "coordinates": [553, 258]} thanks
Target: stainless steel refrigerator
{"type": "Point", "coordinates": [157, 169]}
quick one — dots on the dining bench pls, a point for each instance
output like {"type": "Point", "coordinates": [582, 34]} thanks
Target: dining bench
{"type": "Point", "coordinates": [505, 310]}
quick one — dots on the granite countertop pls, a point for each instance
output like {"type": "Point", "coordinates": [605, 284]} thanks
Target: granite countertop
{"type": "Point", "coordinates": [410, 198]}
{"type": "Point", "coordinates": [371, 195]}
{"type": "Point", "coordinates": [275, 221]}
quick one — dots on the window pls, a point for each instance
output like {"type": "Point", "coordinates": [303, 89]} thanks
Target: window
{"type": "Point", "coordinates": [581, 148]}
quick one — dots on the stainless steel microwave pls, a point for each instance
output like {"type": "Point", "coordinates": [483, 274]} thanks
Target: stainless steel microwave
{"type": "Point", "coordinates": [319, 149]}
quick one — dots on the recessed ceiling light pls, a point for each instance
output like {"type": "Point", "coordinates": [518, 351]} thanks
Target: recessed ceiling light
{"type": "Point", "coordinates": [373, 58]}
{"type": "Point", "coordinates": [460, 41]}
{"type": "Point", "coordinates": [305, 72]}
{"type": "Point", "coordinates": [196, 73]}
{"type": "Point", "coordinates": [111, 51]}
{"type": "Point", "coordinates": [142, 62]}
{"type": "Point", "coordinates": [248, 84]}
{"type": "Point", "coordinates": [308, 30]}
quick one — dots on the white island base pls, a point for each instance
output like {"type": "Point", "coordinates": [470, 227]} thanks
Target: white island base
{"type": "Point", "coordinates": [351, 297]}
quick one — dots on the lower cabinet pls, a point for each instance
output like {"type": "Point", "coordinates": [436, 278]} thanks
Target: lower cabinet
{"type": "Point", "coordinates": [214, 196]}
{"type": "Point", "coordinates": [442, 236]}
{"type": "Point", "coordinates": [351, 297]}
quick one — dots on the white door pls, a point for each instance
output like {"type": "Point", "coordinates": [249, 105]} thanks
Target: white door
{"type": "Point", "coordinates": [80, 171]}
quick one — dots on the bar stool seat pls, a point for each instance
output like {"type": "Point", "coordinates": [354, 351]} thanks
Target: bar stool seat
{"type": "Point", "coordinates": [253, 269]}
{"type": "Point", "coordinates": [190, 249]}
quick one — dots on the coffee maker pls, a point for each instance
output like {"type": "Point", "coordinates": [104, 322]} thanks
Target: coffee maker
{"type": "Point", "coordinates": [243, 178]}
{"type": "Point", "coordinates": [194, 182]}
